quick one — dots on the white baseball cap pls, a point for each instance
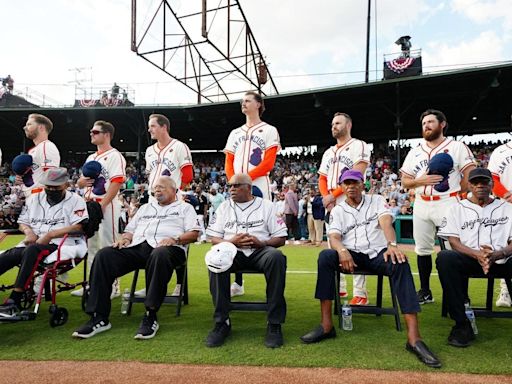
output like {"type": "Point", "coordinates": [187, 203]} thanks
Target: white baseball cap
{"type": "Point", "coordinates": [220, 257]}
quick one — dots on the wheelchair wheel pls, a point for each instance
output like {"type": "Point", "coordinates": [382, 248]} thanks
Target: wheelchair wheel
{"type": "Point", "coordinates": [28, 298]}
{"type": "Point", "coordinates": [59, 317]}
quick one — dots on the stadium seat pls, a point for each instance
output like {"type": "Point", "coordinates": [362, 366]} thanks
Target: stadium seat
{"type": "Point", "coordinates": [248, 305]}
{"type": "Point", "coordinates": [376, 309]}
{"type": "Point", "coordinates": [479, 311]}
{"type": "Point", "coordinates": [181, 299]}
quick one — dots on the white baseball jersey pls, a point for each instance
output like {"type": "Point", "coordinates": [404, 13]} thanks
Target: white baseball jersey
{"type": "Point", "coordinates": [113, 169]}
{"type": "Point", "coordinates": [256, 217]}
{"type": "Point", "coordinates": [42, 217]}
{"type": "Point", "coordinates": [154, 222]}
{"type": "Point", "coordinates": [500, 164]}
{"type": "Point", "coordinates": [45, 155]}
{"type": "Point", "coordinates": [249, 145]}
{"type": "Point", "coordinates": [167, 161]}
{"type": "Point", "coordinates": [337, 159]}
{"type": "Point", "coordinates": [417, 160]}
{"type": "Point", "coordinates": [359, 227]}
{"type": "Point", "coordinates": [476, 226]}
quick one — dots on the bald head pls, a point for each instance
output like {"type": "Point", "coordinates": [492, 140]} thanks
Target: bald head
{"type": "Point", "coordinates": [165, 190]}
{"type": "Point", "coordinates": [167, 181]}
{"type": "Point", "coordinates": [240, 178]}
{"type": "Point", "coordinates": [240, 188]}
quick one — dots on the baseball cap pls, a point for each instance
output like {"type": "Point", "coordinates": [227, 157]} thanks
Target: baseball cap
{"type": "Point", "coordinates": [55, 177]}
{"type": "Point", "coordinates": [351, 174]}
{"type": "Point", "coordinates": [480, 173]}
{"type": "Point", "coordinates": [256, 191]}
{"type": "Point", "coordinates": [91, 169]}
{"type": "Point", "coordinates": [21, 163]}
{"type": "Point", "coordinates": [220, 257]}
{"type": "Point", "coordinates": [441, 164]}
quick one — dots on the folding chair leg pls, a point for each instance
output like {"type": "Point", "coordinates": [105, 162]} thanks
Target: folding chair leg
{"type": "Point", "coordinates": [182, 292]}
{"type": "Point", "coordinates": [395, 305]}
{"type": "Point", "coordinates": [132, 292]}
{"type": "Point", "coordinates": [490, 292]}
{"type": "Point", "coordinates": [337, 301]}
{"type": "Point", "coordinates": [380, 279]}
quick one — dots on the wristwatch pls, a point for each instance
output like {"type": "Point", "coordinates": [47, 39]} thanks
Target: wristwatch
{"type": "Point", "coordinates": [391, 244]}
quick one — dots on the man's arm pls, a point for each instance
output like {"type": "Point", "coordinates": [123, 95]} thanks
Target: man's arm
{"type": "Point", "coordinates": [409, 182]}
{"type": "Point", "coordinates": [56, 233]}
{"type": "Point", "coordinates": [392, 251]}
{"type": "Point", "coordinates": [183, 239]}
{"type": "Point", "coordinates": [266, 165]}
{"type": "Point", "coordinates": [113, 190]}
{"type": "Point", "coordinates": [30, 236]}
{"type": "Point", "coordinates": [344, 256]}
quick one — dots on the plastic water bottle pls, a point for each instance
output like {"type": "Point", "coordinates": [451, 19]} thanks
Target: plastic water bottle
{"type": "Point", "coordinates": [125, 301]}
{"type": "Point", "coordinates": [346, 314]}
{"type": "Point", "coordinates": [470, 314]}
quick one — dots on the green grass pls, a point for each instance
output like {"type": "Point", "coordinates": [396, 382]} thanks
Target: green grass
{"type": "Point", "coordinates": [374, 342]}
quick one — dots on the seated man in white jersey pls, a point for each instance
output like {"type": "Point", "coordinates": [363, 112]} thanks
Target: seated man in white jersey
{"type": "Point", "coordinates": [251, 224]}
{"type": "Point", "coordinates": [155, 240]}
{"type": "Point", "coordinates": [479, 230]}
{"type": "Point", "coordinates": [45, 219]}
{"type": "Point", "coordinates": [362, 236]}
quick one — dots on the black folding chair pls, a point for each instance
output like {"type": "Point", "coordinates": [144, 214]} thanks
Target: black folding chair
{"type": "Point", "coordinates": [248, 305]}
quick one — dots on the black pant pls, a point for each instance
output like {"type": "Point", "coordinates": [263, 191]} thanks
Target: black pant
{"type": "Point", "coordinates": [268, 260]}
{"type": "Point", "coordinates": [292, 223]}
{"type": "Point", "coordinates": [329, 264]}
{"type": "Point", "coordinates": [454, 269]}
{"type": "Point", "coordinates": [28, 258]}
{"type": "Point", "coordinates": [111, 263]}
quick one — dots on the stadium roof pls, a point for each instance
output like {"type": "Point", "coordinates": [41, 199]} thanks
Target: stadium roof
{"type": "Point", "coordinates": [475, 100]}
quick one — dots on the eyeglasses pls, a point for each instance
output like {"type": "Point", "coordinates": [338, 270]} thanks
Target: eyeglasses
{"type": "Point", "coordinates": [94, 132]}
{"type": "Point", "coordinates": [236, 185]}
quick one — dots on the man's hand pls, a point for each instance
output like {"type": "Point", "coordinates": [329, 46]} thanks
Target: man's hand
{"type": "Point", "coordinates": [328, 201]}
{"type": "Point", "coordinates": [428, 180]}
{"type": "Point", "coordinates": [508, 197]}
{"type": "Point", "coordinates": [18, 180]}
{"type": "Point", "coordinates": [346, 261]}
{"type": "Point", "coordinates": [123, 243]}
{"type": "Point", "coordinates": [257, 243]}
{"type": "Point", "coordinates": [395, 255]}
{"type": "Point", "coordinates": [168, 242]}
{"type": "Point", "coordinates": [83, 182]}
{"type": "Point", "coordinates": [30, 238]}
{"type": "Point", "coordinates": [484, 257]}
{"type": "Point", "coordinates": [44, 240]}
{"type": "Point", "coordinates": [241, 240]}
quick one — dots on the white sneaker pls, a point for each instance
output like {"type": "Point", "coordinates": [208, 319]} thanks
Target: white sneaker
{"type": "Point", "coordinates": [504, 299]}
{"type": "Point", "coordinates": [78, 292]}
{"type": "Point", "coordinates": [116, 289]}
{"type": "Point", "coordinates": [140, 293]}
{"type": "Point", "coordinates": [237, 290]}
{"type": "Point", "coordinates": [177, 290]}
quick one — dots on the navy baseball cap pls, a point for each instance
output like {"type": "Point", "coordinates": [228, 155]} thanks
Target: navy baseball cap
{"type": "Point", "coordinates": [91, 169]}
{"type": "Point", "coordinates": [351, 174]}
{"type": "Point", "coordinates": [256, 191]}
{"type": "Point", "coordinates": [441, 164]}
{"type": "Point", "coordinates": [480, 173]}
{"type": "Point", "coordinates": [21, 164]}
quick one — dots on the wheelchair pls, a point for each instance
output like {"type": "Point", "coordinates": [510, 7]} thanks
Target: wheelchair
{"type": "Point", "coordinates": [50, 274]}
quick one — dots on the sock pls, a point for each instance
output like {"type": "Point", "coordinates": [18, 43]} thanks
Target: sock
{"type": "Point", "coordinates": [425, 269]}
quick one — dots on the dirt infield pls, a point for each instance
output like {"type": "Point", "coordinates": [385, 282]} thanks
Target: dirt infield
{"type": "Point", "coordinates": [69, 372]}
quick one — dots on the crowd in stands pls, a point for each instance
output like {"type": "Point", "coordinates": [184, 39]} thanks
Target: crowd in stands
{"type": "Point", "coordinates": [300, 169]}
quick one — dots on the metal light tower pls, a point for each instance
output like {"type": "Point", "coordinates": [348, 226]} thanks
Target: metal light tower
{"type": "Point", "coordinates": [212, 51]}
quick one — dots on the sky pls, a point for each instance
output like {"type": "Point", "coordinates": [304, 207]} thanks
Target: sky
{"type": "Point", "coordinates": [308, 44]}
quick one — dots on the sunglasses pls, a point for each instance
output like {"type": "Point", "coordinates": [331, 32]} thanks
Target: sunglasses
{"type": "Point", "coordinates": [236, 185]}
{"type": "Point", "coordinates": [94, 132]}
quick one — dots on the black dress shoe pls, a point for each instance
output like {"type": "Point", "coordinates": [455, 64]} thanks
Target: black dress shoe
{"type": "Point", "coordinates": [425, 355]}
{"type": "Point", "coordinates": [318, 334]}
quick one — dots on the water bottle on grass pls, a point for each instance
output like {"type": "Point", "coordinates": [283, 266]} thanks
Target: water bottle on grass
{"type": "Point", "coordinates": [470, 314]}
{"type": "Point", "coordinates": [346, 314]}
{"type": "Point", "coordinates": [125, 301]}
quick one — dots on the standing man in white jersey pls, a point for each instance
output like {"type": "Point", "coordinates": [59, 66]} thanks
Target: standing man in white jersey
{"type": "Point", "coordinates": [433, 199]}
{"type": "Point", "coordinates": [252, 149]}
{"type": "Point", "coordinates": [45, 154]}
{"type": "Point", "coordinates": [104, 190]}
{"type": "Point", "coordinates": [479, 230]}
{"type": "Point", "coordinates": [167, 157]}
{"type": "Point", "coordinates": [348, 153]}
{"type": "Point", "coordinates": [500, 165]}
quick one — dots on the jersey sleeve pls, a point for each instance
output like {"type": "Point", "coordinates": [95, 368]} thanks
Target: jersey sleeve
{"type": "Point", "coordinates": [464, 156]}
{"type": "Point", "coordinates": [230, 144]}
{"type": "Point", "coordinates": [449, 226]}
{"type": "Point", "coordinates": [360, 152]}
{"type": "Point", "coordinates": [24, 217]}
{"type": "Point", "coordinates": [79, 212]}
{"type": "Point", "coordinates": [117, 167]}
{"type": "Point", "coordinates": [51, 156]}
{"type": "Point", "coordinates": [493, 165]}
{"type": "Point", "coordinates": [134, 221]}
{"type": "Point", "coordinates": [191, 220]}
{"type": "Point", "coordinates": [149, 166]}
{"type": "Point", "coordinates": [276, 224]}
{"type": "Point", "coordinates": [272, 138]}
{"type": "Point", "coordinates": [408, 165]}
{"type": "Point", "coordinates": [382, 207]}
{"type": "Point", "coordinates": [336, 220]}
{"type": "Point", "coordinates": [324, 169]}
{"type": "Point", "coordinates": [184, 156]}
{"type": "Point", "coordinates": [216, 224]}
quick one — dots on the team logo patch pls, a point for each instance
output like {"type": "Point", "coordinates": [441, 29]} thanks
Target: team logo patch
{"type": "Point", "coordinates": [443, 223]}
{"type": "Point", "coordinates": [331, 219]}
{"type": "Point", "coordinates": [79, 212]}
{"type": "Point", "coordinates": [255, 158]}
{"type": "Point", "coordinates": [213, 219]}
